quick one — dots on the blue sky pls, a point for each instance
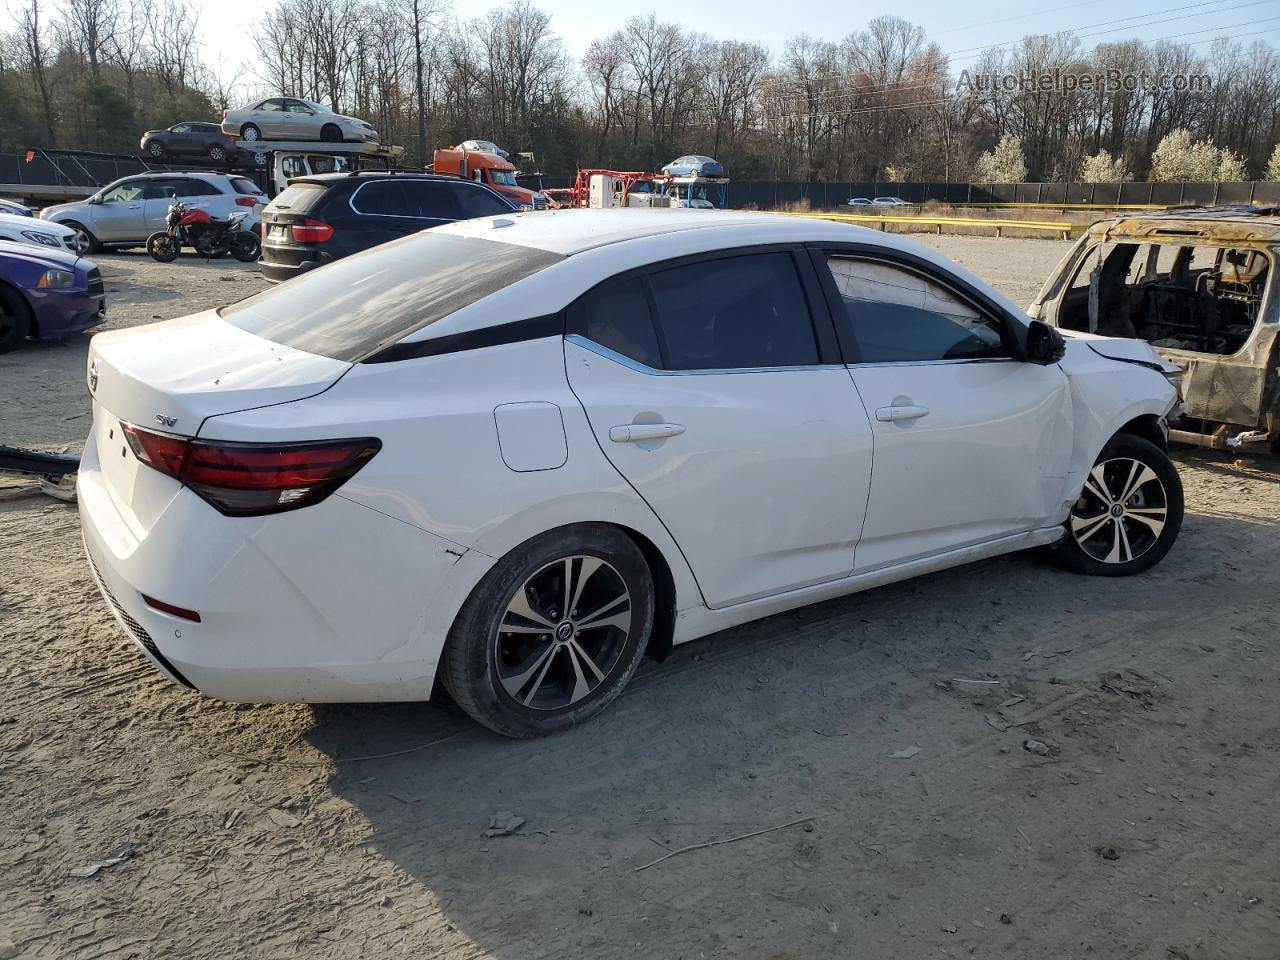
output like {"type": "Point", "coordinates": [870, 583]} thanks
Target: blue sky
{"type": "Point", "coordinates": [957, 28]}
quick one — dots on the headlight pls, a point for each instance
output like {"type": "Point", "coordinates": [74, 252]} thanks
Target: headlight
{"type": "Point", "coordinates": [57, 280]}
{"type": "Point", "coordinates": [1175, 378]}
{"type": "Point", "coordinates": [46, 239]}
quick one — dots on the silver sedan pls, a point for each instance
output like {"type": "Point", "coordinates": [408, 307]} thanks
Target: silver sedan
{"type": "Point", "coordinates": [288, 118]}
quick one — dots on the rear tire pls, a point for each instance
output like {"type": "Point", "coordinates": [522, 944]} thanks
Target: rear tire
{"type": "Point", "coordinates": [163, 247]}
{"type": "Point", "coordinates": [250, 132]}
{"type": "Point", "coordinates": [1129, 513]}
{"type": "Point", "coordinates": [217, 153]}
{"type": "Point", "coordinates": [553, 632]}
{"type": "Point", "coordinates": [15, 319]}
{"type": "Point", "coordinates": [331, 133]}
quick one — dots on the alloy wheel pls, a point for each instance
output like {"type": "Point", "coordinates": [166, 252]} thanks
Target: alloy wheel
{"type": "Point", "coordinates": [563, 632]}
{"type": "Point", "coordinates": [1121, 512]}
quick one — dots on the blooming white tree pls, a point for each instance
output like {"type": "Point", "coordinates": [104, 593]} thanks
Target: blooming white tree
{"type": "Point", "coordinates": [1176, 158]}
{"type": "Point", "coordinates": [1004, 164]}
{"type": "Point", "coordinates": [1104, 168]}
{"type": "Point", "coordinates": [1273, 165]}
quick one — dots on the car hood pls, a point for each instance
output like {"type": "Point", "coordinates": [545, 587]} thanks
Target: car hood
{"type": "Point", "coordinates": [42, 256]}
{"type": "Point", "coordinates": [31, 223]}
{"type": "Point", "coordinates": [48, 213]}
{"type": "Point", "coordinates": [1120, 348]}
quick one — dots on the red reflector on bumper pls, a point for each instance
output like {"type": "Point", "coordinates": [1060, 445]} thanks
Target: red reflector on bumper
{"type": "Point", "coordinates": [163, 607]}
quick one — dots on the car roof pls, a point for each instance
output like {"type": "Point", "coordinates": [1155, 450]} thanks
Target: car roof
{"type": "Point", "coordinates": [597, 244]}
{"type": "Point", "coordinates": [347, 176]}
{"type": "Point", "coordinates": [1237, 222]}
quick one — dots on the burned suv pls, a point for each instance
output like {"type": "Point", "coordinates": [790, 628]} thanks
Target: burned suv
{"type": "Point", "coordinates": [1198, 284]}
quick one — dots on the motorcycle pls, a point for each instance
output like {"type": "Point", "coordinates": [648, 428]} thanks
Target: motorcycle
{"type": "Point", "coordinates": [193, 227]}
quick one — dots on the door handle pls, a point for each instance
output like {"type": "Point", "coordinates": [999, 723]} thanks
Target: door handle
{"type": "Point", "coordinates": [135, 206]}
{"type": "Point", "coordinates": [890, 414]}
{"type": "Point", "coordinates": [636, 432]}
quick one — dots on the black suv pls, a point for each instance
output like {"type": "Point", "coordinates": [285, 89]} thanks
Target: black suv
{"type": "Point", "coordinates": [315, 220]}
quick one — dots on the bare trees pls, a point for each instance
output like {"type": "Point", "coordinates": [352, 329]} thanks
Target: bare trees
{"type": "Point", "coordinates": [882, 101]}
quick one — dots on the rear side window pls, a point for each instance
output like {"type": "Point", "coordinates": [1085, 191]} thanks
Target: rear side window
{"type": "Point", "coordinates": [245, 185]}
{"type": "Point", "coordinates": [191, 187]}
{"type": "Point", "coordinates": [431, 200]}
{"type": "Point", "coordinates": [382, 198]}
{"type": "Point", "coordinates": [351, 308]}
{"type": "Point", "coordinates": [898, 316]}
{"type": "Point", "coordinates": [747, 311]}
{"type": "Point", "coordinates": [616, 315]}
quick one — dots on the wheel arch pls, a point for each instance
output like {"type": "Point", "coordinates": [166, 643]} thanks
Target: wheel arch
{"type": "Point", "coordinates": [1147, 427]}
{"type": "Point", "coordinates": [11, 293]}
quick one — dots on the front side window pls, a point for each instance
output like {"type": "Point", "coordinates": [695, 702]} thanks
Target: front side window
{"type": "Point", "coordinates": [181, 128]}
{"type": "Point", "coordinates": [477, 202]}
{"type": "Point", "coordinates": [353, 307]}
{"type": "Point", "coordinates": [297, 106]}
{"type": "Point", "coordinates": [433, 201]}
{"type": "Point", "coordinates": [505, 177]}
{"type": "Point", "coordinates": [124, 192]}
{"type": "Point", "coordinates": [899, 316]}
{"type": "Point", "coordinates": [737, 312]}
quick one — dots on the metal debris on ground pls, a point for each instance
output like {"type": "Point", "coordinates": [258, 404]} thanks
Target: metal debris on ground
{"type": "Point", "coordinates": [906, 753]}
{"type": "Point", "coordinates": [503, 824]}
{"type": "Point", "coordinates": [110, 860]}
{"type": "Point", "coordinates": [1038, 747]}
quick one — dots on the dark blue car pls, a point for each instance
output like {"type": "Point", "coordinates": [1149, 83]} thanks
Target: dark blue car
{"type": "Point", "coordinates": [46, 294]}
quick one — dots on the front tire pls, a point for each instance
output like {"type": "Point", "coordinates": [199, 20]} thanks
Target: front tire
{"type": "Point", "coordinates": [156, 149]}
{"type": "Point", "coordinates": [163, 247]}
{"type": "Point", "coordinates": [552, 633]}
{"type": "Point", "coordinates": [1129, 513]}
{"type": "Point", "coordinates": [15, 319]}
{"type": "Point", "coordinates": [217, 153]}
{"type": "Point", "coordinates": [245, 246]}
{"type": "Point", "coordinates": [86, 242]}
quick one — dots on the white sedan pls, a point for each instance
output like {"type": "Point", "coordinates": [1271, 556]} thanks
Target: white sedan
{"type": "Point", "coordinates": [520, 453]}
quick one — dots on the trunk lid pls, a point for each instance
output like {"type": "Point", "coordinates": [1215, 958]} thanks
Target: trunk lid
{"type": "Point", "coordinates": [171, 376]}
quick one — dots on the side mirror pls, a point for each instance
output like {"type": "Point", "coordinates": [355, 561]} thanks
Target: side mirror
{"type": "Point", "coordinates": [96, 200]}
{"type": "Point", "coordinates": [1045, 345]}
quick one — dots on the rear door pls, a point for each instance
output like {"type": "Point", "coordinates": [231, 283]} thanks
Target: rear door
{"type": "Point", "coordinates": [714, 387]}
{"type": "Point", "coordinates": [971, 444]}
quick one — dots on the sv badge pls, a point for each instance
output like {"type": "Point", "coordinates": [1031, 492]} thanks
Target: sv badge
{"type": "Point", "coordinates": [165, 420]}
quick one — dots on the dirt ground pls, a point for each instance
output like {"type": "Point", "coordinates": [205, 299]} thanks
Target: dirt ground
{"type": "Point", "coordinates": [884, 734]}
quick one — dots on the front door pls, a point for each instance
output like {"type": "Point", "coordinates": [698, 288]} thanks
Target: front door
{"type": "Point", "coordinates": [708, 390]}
{"type": "Point", "coordinates": [970, 444]}
{"type": "Point", "coordinates": [121, 216]}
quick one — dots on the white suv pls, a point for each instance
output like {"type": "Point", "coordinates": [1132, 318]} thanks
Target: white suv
{"type": "Point", "coordinates": [126, 212]}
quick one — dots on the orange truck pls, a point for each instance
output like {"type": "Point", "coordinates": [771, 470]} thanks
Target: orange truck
{"type": "Point", "coordinates": [491, 170]}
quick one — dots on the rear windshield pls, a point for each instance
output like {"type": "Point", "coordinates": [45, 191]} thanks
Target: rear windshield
{"type": "Point", "coordinates": [351, 308]}
{"type": "Point", "coordinates": [298, 197]}
{"type": "Point", "coordinates": [245, 185]}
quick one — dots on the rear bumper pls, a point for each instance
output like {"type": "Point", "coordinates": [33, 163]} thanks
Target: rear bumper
{"type": "Point", "coordinates": [335, 602]}
{"type": "Point", "coordinates": [279, 263]}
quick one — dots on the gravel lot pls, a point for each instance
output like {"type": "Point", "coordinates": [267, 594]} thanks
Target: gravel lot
{"type": "Point", "coordinates": [1149, 830]}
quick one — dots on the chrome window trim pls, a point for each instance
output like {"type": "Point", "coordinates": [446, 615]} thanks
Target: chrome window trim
{"type": "Point", "coordinates": [927, 363]}
{"type": "Point", "coordinates": [351, 200]}
{"type": "Point", "coordinates": [579, 340]}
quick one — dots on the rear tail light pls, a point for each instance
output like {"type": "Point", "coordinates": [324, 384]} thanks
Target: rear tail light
{"type": "Point", "coordinates": [246, 201]}
{"type": "Point", "coordinates": [253, 479]}
{"type": "Point", "coordinates": [224, 116]}
{"type": "Point", "coordinates": [311, 231]}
